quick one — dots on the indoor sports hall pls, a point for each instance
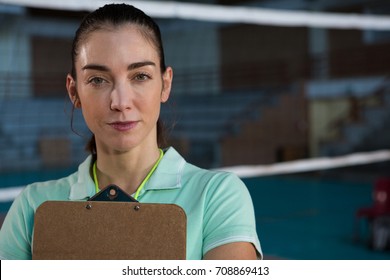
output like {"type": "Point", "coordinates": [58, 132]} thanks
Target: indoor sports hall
{"type": "Point", "coordinates": [292, 96]}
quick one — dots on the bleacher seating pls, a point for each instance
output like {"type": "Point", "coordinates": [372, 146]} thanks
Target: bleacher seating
{"type": "Point", "coordinates": [200, 122]}
{"type": "Point", "coordinates": [368, 133]}
{"type": "Point", "coordinates": [26, 122]}
{"type": "Point", "coordinates": [210, 118]}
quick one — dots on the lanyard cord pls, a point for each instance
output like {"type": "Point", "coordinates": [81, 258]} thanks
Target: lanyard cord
{"type": "Point", "coordinates": [95, 179]}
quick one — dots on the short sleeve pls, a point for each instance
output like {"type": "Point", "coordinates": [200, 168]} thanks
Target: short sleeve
{"type": "Point", "coordinates": [229, 214]}
{"type": "Point", "coordinates": [16, 231]}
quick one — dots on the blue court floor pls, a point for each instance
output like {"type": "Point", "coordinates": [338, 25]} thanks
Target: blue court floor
{"type": "Point", "coordinates": [301, 218]}
{"type": "Point", "coordinates": [311, 219]}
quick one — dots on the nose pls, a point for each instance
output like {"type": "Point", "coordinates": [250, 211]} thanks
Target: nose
{"type": "Point", "coordinates": [121, 98]}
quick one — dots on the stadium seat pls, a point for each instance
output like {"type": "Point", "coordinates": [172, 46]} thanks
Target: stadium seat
{"type": "Point", "coordinates": [381, 201]}
{"type": "Point", "coordinates": [378, 215]}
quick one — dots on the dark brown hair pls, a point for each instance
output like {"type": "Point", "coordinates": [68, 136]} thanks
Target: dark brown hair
{"type": "Point", "coordinates": [116, 15]}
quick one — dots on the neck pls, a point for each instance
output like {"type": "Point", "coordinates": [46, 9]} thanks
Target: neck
{"type": "Point", "coordinates": [126, 170]}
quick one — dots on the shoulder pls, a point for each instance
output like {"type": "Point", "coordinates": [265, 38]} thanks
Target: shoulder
{"type": "Point", "coordinates": [38, 192]}
{"type": "Point", "coordinates": [188, 174]}
{"type": "Point", "coordinates": [17, 229]}
{"type": "Point", "coordinates": [73, 186]}
{"type": "Point", "coordinates": [212, 179]}
{"type": "Point", "coordinates": [54, 188]}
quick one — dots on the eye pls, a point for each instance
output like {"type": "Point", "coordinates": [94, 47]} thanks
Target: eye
{"type": "Point", "coordinates": [142, 77]}
{"type": "Point", "coordinates": [96, 81]}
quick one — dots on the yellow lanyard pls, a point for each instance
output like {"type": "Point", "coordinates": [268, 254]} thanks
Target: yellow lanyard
{"type": "Point", "coordinates": [95, 179]}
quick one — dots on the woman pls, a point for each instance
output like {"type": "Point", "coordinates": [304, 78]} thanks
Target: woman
{"type": "Point", "coordinates": [119, 80]}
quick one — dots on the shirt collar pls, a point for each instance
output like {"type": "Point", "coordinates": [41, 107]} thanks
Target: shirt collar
{"type": "Point", "coordinates": [84, 187]}
{"type": "Point", "coordinates": [167, 175]}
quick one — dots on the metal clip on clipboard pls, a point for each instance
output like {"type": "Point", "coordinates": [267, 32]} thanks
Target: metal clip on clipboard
{"type": "Point", "coordinates": [112, 193]}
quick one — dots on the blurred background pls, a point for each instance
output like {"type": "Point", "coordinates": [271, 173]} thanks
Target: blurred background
{"type": "Point", "coordinates": [244, 93]}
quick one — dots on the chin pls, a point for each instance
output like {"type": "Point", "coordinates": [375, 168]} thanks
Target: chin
{"type": "Point", "coordinates": [123, 148]}
{"type": "Point", "coordinates": [119, 147]}
{"type": "Point", "coordinates": [123, 143]}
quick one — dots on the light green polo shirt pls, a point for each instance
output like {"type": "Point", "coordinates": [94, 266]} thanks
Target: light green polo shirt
{"type": "Point", "coordinates": [218, 205]}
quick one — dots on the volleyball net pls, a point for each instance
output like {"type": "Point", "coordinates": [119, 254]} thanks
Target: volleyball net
{"type": "Point", "coordinates": [258, 54]}
{"type": "Point", "coordinates": [226, 14]}
{"type": "Point", "coordinates": [249, 171]}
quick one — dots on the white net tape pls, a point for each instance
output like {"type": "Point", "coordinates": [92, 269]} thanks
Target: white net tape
{"type": "Point", "coordinates": [9, 194]}
{"type": "Point", "coordinates": [226, 14]}
{"type": "Point", "coordinates": [307, 165]}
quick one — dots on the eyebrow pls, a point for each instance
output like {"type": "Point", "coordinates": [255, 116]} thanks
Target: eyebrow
{"type": "Point", "coordinates": [104, 68]}
{"type": "Point", "coordinates": [140, 64]}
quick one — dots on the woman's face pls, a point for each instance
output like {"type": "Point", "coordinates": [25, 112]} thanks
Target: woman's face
{"type": "Point", "coordinates": [120, 87]}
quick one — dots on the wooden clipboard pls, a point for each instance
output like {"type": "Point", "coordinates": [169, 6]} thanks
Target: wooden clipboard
{"type": "Point", "coordinates": [96, 230]}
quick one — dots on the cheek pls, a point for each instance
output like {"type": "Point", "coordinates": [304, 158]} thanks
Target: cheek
{"type": "Point", "coordinates": [150, 107]}
{"type": "Point", "coordinates": [92, 108]}
{"type": "Point", "coordinates": [91, 99]}
{"type": "Point", "coordinates": [89, 115]}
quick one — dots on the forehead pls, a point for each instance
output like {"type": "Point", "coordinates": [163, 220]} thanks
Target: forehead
{"type": "Point", "coordinates": [120, 43]}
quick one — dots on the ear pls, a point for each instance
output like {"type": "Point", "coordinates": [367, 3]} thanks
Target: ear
{"type": "Point", "coordinates": [167, 84]}
{"type": "Point", "coordinates": [72, 91]}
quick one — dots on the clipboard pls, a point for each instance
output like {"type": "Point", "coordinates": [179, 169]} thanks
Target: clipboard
{"type": "Point", "coordinates": [101, 230]}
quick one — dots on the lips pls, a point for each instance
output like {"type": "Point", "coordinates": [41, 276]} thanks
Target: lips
{"type": "Point", "coordinates": [123, 126]}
